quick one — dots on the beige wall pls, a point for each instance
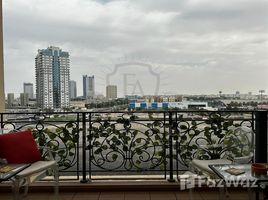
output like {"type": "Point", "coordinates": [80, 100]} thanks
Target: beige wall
{"type": "Point", "coordinates": [78, 104]}
{"type": "Point", "coordinates": [2, 91]}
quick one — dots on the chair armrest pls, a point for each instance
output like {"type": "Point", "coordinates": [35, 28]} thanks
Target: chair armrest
{"type": "Point", "coordinates": [47, 151]}
{"type": "Point", "coordinates": [243, 159]}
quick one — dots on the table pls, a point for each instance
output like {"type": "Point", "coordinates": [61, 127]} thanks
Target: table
{"type": "Point", "coordinates": [249, 178]}
{"type": "Point", "coordinates": [16, 168]}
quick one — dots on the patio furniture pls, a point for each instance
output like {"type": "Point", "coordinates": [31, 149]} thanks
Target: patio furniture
{"type": "Point", "coordinates": [7, 171]}
{"type": "Point", "coordinates": [20, 147]}
{"type": "Point", "coordinates": [237, 147]}
{"type": "Point", "coordinates": [245, 178]}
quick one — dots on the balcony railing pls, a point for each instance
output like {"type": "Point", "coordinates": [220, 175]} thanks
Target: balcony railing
{"type": "Point", "coordinates": [86, 144]}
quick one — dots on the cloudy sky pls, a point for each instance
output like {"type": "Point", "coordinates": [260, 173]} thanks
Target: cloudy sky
{"type": "Point", "coordinates": [143, 46]}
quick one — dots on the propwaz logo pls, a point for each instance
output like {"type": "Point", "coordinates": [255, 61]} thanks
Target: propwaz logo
{"type": "Point", "coordinates": [195, 182]}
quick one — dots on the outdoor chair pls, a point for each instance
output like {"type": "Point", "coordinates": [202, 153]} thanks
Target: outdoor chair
{"type": "Point", "coordinates": [20, 147]}
{"type": "Point", "coordinates": [237, 147]}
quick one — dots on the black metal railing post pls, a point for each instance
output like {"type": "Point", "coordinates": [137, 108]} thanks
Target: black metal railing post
{"type": "Point", "coordinates": [89, 142]}
{"type": "Point", "coordinates": [78, 143]}
{"type": "Point", "coordinates": [84, 179]}
{"type": "Point", "coordinates": [261, 136]}
{"type": "Point", "coordinates": [2, 123]}
{"type": "Point", "coordinates": [170, 135]}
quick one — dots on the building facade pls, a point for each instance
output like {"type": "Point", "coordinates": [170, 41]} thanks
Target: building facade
{"type": "Point", "coordinates": [52, 69]}
{"type": "Point", "coordinates": [111, 91]}
{"type": "Point", "coordinates": [73, 89]}
{"type": "Point", "coordinates": [88, 86]}
{"type": "Point", "coordinates": [28, 89]}
{"type": "Point", "coordinates": [24, 99]}
{"type": "Point", "coordinates": [10, 99]}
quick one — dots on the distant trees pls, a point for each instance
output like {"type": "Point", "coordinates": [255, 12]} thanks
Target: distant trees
{"type": "Point", "coordinates": [253, 104]}
{"type": "Point", "coordinates": [107, 104]}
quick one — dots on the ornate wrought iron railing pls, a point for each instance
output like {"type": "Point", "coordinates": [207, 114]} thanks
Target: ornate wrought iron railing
{"type": "Point", "coordinates": [58, 131]}
{"type": "Point", "coordinates": [152, 142]}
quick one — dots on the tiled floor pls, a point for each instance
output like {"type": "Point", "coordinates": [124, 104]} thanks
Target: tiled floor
{"type": "Point", "coordinates": [133, 195]}
{"type": "Point", "coordinates": [124, 190]}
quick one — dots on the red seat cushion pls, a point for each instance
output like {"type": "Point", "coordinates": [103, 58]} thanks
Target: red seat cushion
{"type": "Point", "coordinates": [19, 147]}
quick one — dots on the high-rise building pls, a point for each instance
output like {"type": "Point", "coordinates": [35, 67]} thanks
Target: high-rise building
{"type": "Point", "coordinates": [111, 91]}
{"type": "Point", "coordinates": [10, 99]}
{"type": "Point", "coordinates": [24, 99]}
{"type": "Point", "coordinates": [73, 90]}
{"type": "Point", "coordinates": [88, 86]}
{"type": "Point", "coordinates": [52, 68]}
{"type": "Point", "coordinates": [28, 89]}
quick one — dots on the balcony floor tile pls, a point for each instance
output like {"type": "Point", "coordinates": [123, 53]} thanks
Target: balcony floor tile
{"type": "Point", "coordinates": [137, 195]}
{"type": "Point", "coordinates": [86, 196]}
{"type": "Point", "coordinates": [112, 196]}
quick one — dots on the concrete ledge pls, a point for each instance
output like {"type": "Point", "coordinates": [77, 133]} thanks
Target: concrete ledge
{"type": "Point", "coordinates": [99, 186]}
{"type": "Point", "coordinates": [102, 186]}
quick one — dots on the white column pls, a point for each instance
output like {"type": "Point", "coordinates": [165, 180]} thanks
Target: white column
{"type": "Point", "coordinates": [2, 88]}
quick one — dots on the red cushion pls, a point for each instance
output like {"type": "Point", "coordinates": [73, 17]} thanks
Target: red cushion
{"type": "Point", "coordinates": [19, 147]}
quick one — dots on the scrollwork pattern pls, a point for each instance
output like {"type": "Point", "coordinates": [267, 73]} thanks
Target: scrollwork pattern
{"type": "Point", "coordinates": [61, 138]}
{"type": "Point", "coordinates": [130, 141]}
{"type": "Point", "coordinates": [203, 138]}
{"type": "Point", "coordinates": [127, 144]}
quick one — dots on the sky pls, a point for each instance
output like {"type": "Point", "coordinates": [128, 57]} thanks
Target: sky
{"type": "Point", "coordinates": [145, 47]}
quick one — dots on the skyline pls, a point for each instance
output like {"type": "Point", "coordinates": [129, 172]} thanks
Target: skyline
{"type": "Point", "coordinates": [219, 93]}
{"type": "Point", "coordinates": [196, 47]}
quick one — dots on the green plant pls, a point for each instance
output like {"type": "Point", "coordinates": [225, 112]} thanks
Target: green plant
{"type": "Point", "coordinates": [61, 141]}
{"type": "Point", "coordinates": [238, 142]}
{"type": "Point", "coordinates": [126, 143]}
{"type": "Point", "coordinates": [201, 139]}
